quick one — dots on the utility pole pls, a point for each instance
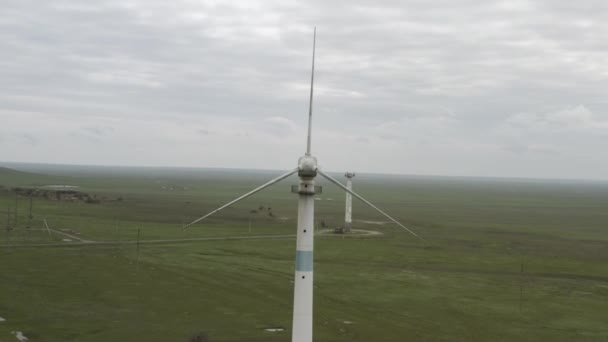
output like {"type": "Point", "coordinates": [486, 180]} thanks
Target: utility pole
{"type": "Point", "coordinates": [184, 212]}
{"type": "Point", "coordinates": [137, 251]}
{"type": "Point", "coordinates": [16, 208]}
{"type": "Point", "coordinates": [8, 224]}
{"type": "Point", "coordinates": [29, 222]}
{"type": "Point", "coordinates": [31, 207]}
{"type": "Point", "coordinates": [521, 287]}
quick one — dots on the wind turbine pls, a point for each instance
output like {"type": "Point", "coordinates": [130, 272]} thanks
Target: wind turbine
{"type": "Point", "coordinates": [348, 211]}
{"type": "Point", "coordinates": [307, 170]}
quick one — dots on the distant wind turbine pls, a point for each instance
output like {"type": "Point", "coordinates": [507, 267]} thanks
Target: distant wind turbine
{"type": "Point", "coordinates": [348, 210]}
{"type": "Point", "coordinates": [307, 171]}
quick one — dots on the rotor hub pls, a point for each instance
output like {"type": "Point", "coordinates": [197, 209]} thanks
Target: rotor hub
{"type": "Point", "coordinates": [307, 166]}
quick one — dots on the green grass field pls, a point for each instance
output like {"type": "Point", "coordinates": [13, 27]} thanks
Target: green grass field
{"type": "Point", "coordinates": [502, 260]}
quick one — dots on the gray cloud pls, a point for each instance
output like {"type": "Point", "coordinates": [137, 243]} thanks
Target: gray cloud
{"type": "Point", "coordinates": [449, 87]}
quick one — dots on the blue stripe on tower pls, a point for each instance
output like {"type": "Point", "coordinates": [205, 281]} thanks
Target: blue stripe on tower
{"type": "Point", "coordinates": [304, 261]}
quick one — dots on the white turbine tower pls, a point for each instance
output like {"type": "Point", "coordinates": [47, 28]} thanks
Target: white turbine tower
{"type": "Point", "coordinates": [348, 211]}
{"type": "Point", "coordinates": [307, 170]}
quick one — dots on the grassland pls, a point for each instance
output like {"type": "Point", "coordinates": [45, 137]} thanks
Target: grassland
{"type": "Point", "coordinates": [503, 260]}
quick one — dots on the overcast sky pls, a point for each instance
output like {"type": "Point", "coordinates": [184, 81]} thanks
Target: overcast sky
{"type": "Point", "coordinates": [467, 88]}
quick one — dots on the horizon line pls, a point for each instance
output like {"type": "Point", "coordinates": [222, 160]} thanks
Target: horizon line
{"type": "Point", "coordinates": [522, 178]}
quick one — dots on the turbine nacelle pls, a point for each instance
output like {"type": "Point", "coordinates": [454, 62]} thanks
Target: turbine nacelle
{"type": "Point", "coordinates": [307, 166]}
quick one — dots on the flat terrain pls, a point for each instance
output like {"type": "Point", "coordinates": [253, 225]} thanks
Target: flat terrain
{"type": "Point", "coordinates": [503, 260]}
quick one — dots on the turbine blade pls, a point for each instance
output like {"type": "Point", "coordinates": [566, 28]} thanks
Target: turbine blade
{"type": "Point", "coordinates": [259, 188]}
{"type": "Point", "coordinates": [312, 81]}
{"type": "Point", "coordinates": [340, 185]}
